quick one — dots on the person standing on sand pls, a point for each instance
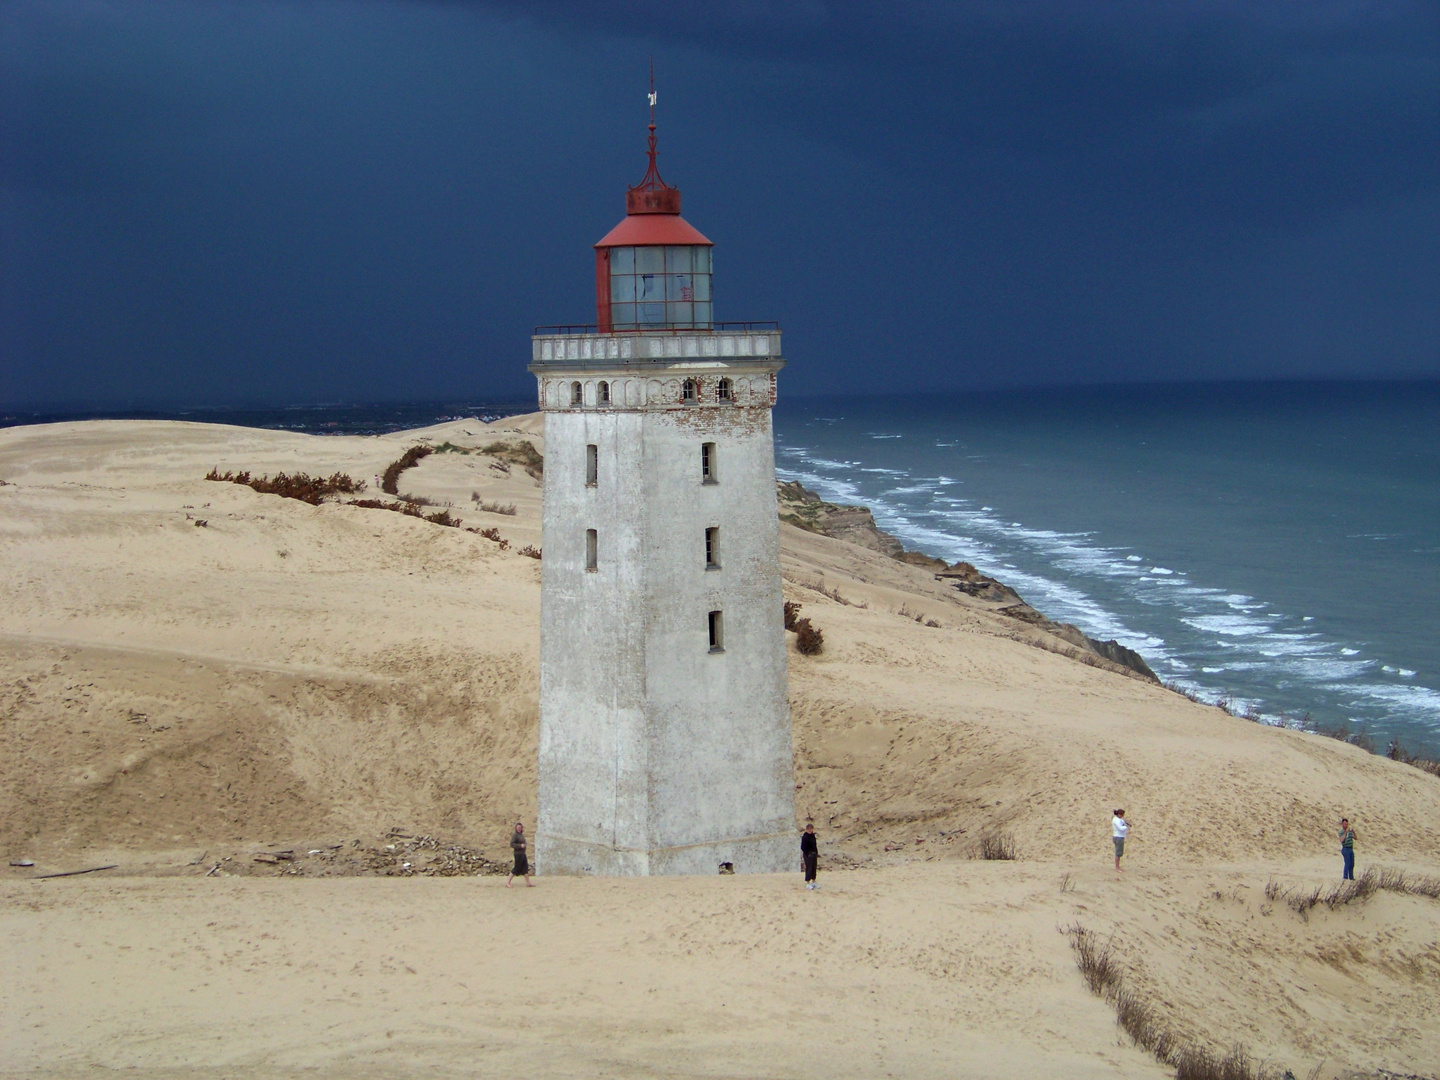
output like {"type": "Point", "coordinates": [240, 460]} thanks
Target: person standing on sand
{"type": "Point", "coordinates": [810, 854]}
{"type": "Point", "coordinates": [522, 864]}
{"type": "Point", "coordinates": [1347, 848]}
{"type": "Point", "coordinates": [1118, 829]}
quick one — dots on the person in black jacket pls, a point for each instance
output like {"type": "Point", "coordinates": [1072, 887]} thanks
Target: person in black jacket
{"type": "Point", "coordinates": [809, 854]}
{"type": "Point", "coordinates": [522, 864]}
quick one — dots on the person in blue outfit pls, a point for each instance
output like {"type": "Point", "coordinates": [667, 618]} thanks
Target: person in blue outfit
{"type": "Point", "coordinates": [1347, 848]}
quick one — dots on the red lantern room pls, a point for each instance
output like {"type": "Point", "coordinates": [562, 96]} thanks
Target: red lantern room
{"type": "Point", "coordinates": [652, 271]}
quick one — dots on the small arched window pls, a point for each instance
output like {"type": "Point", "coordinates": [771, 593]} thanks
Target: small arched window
{"type": "Point", "coordinates": [687, 390]}
{"type": "Point", "coordinates": [577, 394]}
{"type": "Point", "coordinates": [724, 392]}
{"type": "Point", "coordinates": [602, 393]}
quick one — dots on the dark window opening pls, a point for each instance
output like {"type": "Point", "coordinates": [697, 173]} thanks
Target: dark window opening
{"type": "Point", "coordinates": [723, 391]}
{"type": "Point", "coordinates": [592, 465]}
{"type": "Point", "coordinates": [707, 463]}
{"type": "Point", "coordinates": [712, 549]}
{"type": "Point", "coordinates": [577, 394]}
{"type": "Point", "coordinates": [687, 390]}
{"type": "Point", "coordinates": [717, 632]}
{"type": "Point", "coordinates": [592, 550]}
{"type": "Point", "coordinates": [602, 393]}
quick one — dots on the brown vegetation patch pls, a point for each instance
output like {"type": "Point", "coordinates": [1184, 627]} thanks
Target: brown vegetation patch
{"type": "Point", "coordinates": [390, 482]}
{"type": "Point", "coordinates": [308, 489]}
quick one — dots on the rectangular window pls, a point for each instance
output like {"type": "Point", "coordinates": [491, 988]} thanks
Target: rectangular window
{"type": "Point", "coordinates": [707, 463]}
{"type": "Point", "coordinates": [592, 550]}
{"type": "Point", "coordinates": [712, 549]}
{"type": "Point", "coordinates": [649, 260]}
{"type": "Point", "coordinates": [717, 632]}
{"type": "Point", "coordinates": [592, 465]}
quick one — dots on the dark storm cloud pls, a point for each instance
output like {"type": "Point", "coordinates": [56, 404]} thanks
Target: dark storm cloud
{"type": "Point", "coordinates": [1276, 112]}
{"type": "Point", "coordinates": [205, 201]}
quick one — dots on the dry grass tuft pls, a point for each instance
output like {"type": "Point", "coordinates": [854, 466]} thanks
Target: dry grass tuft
{"type": "Point", "coordinates": [1146, 1027]}
{"type": "Point", "coordinates": [485, 507]}
{"type": "Point", "coordinates": [792, 614]}
{"type": "Point", "coordinates": [1304, 901]}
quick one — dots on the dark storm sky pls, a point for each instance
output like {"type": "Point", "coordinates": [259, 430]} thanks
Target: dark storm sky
{"type": "Point", "coordinates": [235, 202]}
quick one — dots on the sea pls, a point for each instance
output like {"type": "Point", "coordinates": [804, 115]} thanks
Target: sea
{"type": "Point", "coordinates": [1272, 545]}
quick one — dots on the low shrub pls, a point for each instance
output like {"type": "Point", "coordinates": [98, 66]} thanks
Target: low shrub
{"type": "Point", "coordinates": [308, 489]}
{"type": "Point", "coordinates": [809, 640]}
{"type": "Point", "coordinates": [530, 551]}
{"type": "Point", "coordinates": [522, 453]}
{"type": "Point", "coordinates": [389, 483]}
{"type": "Point", "coordinates": [792, 613]}
{"type": "Point", "coordinates": [998, 846]}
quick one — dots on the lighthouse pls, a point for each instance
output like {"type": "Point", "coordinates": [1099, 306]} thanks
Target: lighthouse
{"type": "Point", "coordinates": [664, 723]}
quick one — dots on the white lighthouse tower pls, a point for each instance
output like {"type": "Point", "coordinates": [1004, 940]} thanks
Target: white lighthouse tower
{"type": "Point", "coordinates": [664, 725]}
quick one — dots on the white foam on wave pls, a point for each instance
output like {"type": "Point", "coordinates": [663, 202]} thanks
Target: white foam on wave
{"type": "Point", "coordinates": [1318, 669]}
{"type": "Point", "coordinates": [1406, 673]}
{"type": "Point", "coordinates": [1414, 698]}
{"type": "Point", "coordinates": [1162, 571]}
{"type": "Point", "coordinates": [1133, 558]}
{"type": "Point", "coordinates": [1229, 625]}
{"type": "Point", "coordinates": [1349, 652]}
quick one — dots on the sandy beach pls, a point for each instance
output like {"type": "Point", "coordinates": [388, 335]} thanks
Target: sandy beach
{"type": "Point", "coordinates": [193, 674]}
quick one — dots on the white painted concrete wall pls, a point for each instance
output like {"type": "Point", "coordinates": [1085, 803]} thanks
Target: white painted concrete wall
{"type": "Point", "coordinates": [656, 754]}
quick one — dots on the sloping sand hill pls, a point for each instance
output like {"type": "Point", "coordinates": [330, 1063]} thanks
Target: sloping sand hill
{"type": "Point", "coordinates": [192, 673]}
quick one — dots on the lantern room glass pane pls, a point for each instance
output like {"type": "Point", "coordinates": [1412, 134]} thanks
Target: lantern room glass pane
{"type": "Point", "coordinates": [702, 286]}
{"type": "Point", "coordinates": [679, 287]}
{"type": "Point", "coordinates": [650, 287]}
{"type": "Point", "coordinates": [622, 289]}
{"type": "Point", "coordinates": [623, 316]}
{"type": "Point", "coordinates": [702, 260]}
{"type": "Point", "coordinates": [650, 314]}
{"type": "Point", "coordinates": [702, 314]}
{"type": "Point", "coordinates": [678, 260]}
{"type": "Point", "coordinates": [678, 314]}
{"type": "Point", "coordinates": [649, 260]}
{"type": "Point", "coordinates": [622, 260]}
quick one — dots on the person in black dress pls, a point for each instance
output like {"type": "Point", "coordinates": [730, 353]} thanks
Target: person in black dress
{"type": "Point", "coordinates": [522, 864]}
{"type": "Point", "coordinates": [809, 855]}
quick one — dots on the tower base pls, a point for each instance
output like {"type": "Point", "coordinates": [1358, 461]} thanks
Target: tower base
{"type": "Point", "coordinates": [769, 854]}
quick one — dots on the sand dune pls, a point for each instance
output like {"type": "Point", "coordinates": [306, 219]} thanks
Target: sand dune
{"type": "Point", "coordinates": [173, 696]}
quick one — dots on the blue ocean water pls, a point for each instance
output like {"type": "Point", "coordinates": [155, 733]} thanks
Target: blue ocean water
{"type": "Point", "coordinates": [1278, 544]}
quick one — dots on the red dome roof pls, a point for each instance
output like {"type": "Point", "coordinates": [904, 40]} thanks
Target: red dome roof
{"type": "Point", "coordinates": [638, 230]}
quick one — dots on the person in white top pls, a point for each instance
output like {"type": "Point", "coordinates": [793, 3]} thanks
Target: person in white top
{"type": "Point", "coordinates": [1118, 828]}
